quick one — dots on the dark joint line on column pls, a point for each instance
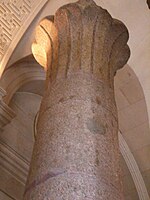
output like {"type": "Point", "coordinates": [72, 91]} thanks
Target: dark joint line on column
{"type": "Point", "coordinates": [81, 46]}
{"type": "Point", "coordinates": [47, 176]}
{"type": "Point", "coordinates": [69, 47]}
{"type": "Point", "coordinates": [93, 44]}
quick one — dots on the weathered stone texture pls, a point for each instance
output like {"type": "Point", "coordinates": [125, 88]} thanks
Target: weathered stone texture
{"type": "Point", "coordinates": [76, 154]}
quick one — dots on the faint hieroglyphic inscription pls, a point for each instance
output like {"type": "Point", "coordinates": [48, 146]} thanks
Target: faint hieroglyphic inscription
{"type": "Point", "coordinates": [13, 14]}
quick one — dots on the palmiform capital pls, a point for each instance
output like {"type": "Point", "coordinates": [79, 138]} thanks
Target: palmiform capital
{"type": "Point", "coordinates": [82, 36]}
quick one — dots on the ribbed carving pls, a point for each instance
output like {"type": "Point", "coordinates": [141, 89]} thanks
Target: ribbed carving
{"type": "Point", "coordinates": [82, 36]}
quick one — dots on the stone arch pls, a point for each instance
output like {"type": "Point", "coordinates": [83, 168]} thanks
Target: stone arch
{"type": "Point", "coordinates": [133, 117]}
{"type": "Point", "coordinates": [20, 73]}
{"type": "Point", "coordinates": [133, 168]}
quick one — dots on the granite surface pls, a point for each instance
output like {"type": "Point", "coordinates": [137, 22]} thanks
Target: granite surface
{"type": "Point", "coordinates": [76, 153]}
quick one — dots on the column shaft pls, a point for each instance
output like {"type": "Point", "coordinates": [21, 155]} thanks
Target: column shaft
{"type": "Point", "coordinates": [76, 154]}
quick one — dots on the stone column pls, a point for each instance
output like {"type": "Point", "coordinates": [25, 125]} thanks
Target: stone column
{"type": "Point", "coordinates": [76, 153]}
